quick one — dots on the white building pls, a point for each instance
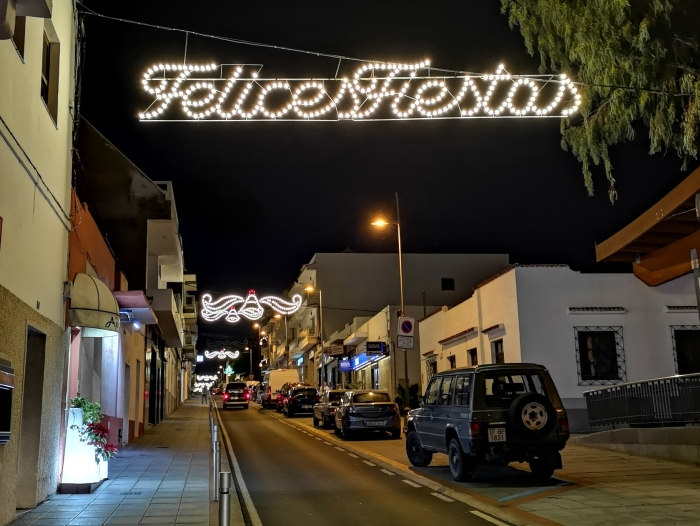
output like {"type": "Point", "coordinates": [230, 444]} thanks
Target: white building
{"type": "Point", "coordinates": [587, 329]}
{"type": "Point", "coordinates": [37, 48]}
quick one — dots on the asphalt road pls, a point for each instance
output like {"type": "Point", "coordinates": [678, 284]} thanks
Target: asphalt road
{"type": "Point", "coordinates": [295, 478]}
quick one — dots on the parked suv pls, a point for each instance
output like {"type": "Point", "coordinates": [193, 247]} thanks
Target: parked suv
{"type": "Point", "coordinates": [236, 393]}
{"type": "Point", "coordinates": [300, 399]}
{"type": "Point", "coordinates": [490, 414]}
{"type": "Point", "coordinates": [361, 411]}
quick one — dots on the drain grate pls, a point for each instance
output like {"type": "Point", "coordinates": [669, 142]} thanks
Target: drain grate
{"type": "Point", "coordinates": [130, 493]}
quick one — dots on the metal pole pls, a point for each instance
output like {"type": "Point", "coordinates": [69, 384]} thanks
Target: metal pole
{"type": "Point", "coordinates": [696, 274]}
{"type": "Point", "coordinates": [405, 351]}
{"type": "Point", "coordinates": [217, 469]}
{"type": "Point", "coordinates": [214, 437]}
{"type": "Point", "coordinates": [286, 342]}
{"type": "Point", "coordinates": [225, 499]}
{"type": "Point", "coordinates": [320, 330]}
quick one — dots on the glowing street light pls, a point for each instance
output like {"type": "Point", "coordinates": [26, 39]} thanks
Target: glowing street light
{"type": "Point", "coordinates": [310, 289]}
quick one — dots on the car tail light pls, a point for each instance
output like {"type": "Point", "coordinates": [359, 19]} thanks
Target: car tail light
{"type": "Point", "coordinates": [247, 395]}
{"type": "Point", "coordinates": [474, 429]}
{"type": "Point", "coordinates": [226, 396]}
{"type": "Point", "coordinates": [564, 424]}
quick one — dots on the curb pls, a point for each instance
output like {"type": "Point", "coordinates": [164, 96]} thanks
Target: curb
{"type": "Point", "coordinates": [396, 467]}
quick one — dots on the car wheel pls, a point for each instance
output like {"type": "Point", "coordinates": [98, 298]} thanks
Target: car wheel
{"type": "Point", "coordinates": [542, 469]}
{"type": "Point", "coordinates": [315, 420]}
{"type": "Point", "coordinates": [395, 433]}
{"type": "Point", "coordinates": [417, 456]}
{"type": "Point", "coordinates": [460, 467]}
{"type": "Point", "coordinates": [246, 406]}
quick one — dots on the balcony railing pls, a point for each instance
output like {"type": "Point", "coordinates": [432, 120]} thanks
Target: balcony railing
{"type": "Point", "coordinates": [671, 401]}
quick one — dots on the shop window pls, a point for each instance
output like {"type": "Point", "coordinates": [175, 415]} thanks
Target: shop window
{"type": "Point", "coordinates": [472, 356]}
{"type": "Point", "coordinates": [452, 360]}
{"type": "Point", "coordinates": [18, 36]}
{"type": "Point", "coordinates": [600, 355]}
{"type": "Point", "coordinates": [50, 57]}
{"type": "Point", "coordinates": [448, 284]}
{"type": "Point", "coordinates": [686, 348]}
{"type": "Point", "coordinates": [498, 354]}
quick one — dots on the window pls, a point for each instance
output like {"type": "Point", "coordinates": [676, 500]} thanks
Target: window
{"type": "Point", "coordinates": [446, 391]}
{"type": "Point", "coordinates": [432, 393]}
{"type": "Point", "coordinates": [502, 389]}
{"type": "Point", "coordinates": [452, 360]}
{"type": "Point", "coordinates": [18, 37]}
{"type": "Point", "coordinates": [472, 357]}
{"type": "Point", "coordinates": [498, 354]}
{"type": "Point", "coordinates": [333, 397]}
{"type": "Point", "coordinates": [448, 284]}
{"type": "Point", "coordinates": [462, 390]}
{"type": "Point", "coordinates": [368, 398]}
{"type": "Point", "coordinates": [686, 348]}
{"type": "Point", "coordinates": [49, 69]}
{"type": "Point", "coordinates": [600, 355]}
{"type": "Point", "coordinates": [430, 367]}
{"type": "Point", "coordinates": [375, 377]}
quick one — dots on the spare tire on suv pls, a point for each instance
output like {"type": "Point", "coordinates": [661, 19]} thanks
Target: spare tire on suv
{"type": "Point", "coordinates": [532, 416]}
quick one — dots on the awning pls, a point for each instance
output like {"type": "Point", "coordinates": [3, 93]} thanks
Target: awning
{"type": "Point", "coordinates": [355, 338]}
{"type": "Point", "coordinates": [93, 307]}
{"type": "Point", "coordinates": [658, 242]}
{"type": "Point", "coordinates": [136, 304]}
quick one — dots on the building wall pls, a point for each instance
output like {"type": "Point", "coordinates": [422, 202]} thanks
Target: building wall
{"type": "Point", "coordinates": [15, 318]}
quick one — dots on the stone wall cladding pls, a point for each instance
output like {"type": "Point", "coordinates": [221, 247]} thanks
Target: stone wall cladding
{"type": "Point", "coordinates": [15, 317]}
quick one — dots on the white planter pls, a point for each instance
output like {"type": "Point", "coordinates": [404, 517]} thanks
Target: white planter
{"type": "Point", "coordinates": [79, 466]}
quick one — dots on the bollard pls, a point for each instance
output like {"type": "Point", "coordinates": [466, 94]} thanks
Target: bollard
{"type": "Point", "coordinates": [217, 470]}
{"type": "Point", "coordinates": [214, 437]}
{"type": "Point", "coordinates": [225, 499]}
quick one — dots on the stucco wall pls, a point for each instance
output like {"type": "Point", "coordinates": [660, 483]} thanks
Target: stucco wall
{"type": "Point", "coordinates": [15, 317]}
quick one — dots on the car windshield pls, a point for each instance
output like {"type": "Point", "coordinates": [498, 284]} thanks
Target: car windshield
{"type": "Point", "coordinates": [500, 389]}
{"type": "Point", "coordinates": [334, 397]}
{"type": "Point", "coordinates": [305, 392]}
{"type": "Point", "coordinates": [366, 398]}
{"type": "Point", "coordinates": [236, 385]}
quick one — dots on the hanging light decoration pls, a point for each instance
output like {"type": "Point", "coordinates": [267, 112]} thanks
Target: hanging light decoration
{"type": "Point", "coordinates": [251, 307]}
{"type": "Point", "coordinates": [222, 354]}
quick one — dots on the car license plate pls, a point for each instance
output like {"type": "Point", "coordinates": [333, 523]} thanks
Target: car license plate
{"type": "Point", "coordinates": [377, 423]}
{"type": "Point", "coordinates": [306, 407]}
{"type": "Point", "coordinates": [497, 434]}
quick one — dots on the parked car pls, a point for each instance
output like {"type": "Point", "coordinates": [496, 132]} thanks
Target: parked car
{"type": "Point", "coordinates": [216, 390]}
{"type": "Point", "coordinates": [324, 410]}
{"type": "Point", "coordinates": [273, 381]}
{"type": "Point", "coordinates": [490, 414]}
{"type": "Point", "coordinates": [283, 394]}
{"type": "Point", "coordinates": [236, 394]}
{"type": "Point", "coordinates": [300, 400]}
{"type": "Point", "coordinates": [361, 411]}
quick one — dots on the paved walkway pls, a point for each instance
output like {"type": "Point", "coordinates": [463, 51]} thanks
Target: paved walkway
{"type": "Point", "coordinates": [162, 478]}
{"type": "Point", "coordinates": [596, 487]}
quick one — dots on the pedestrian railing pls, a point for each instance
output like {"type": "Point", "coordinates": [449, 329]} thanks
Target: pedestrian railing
{"type": "Point", "coordinates": [670, 401]}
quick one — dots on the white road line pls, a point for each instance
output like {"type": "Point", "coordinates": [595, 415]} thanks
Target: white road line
{"type": "Point", "coordinates": [327, 443]}
{"type": "Point", "coordinates": [353, 455]}
{"type": "Point", "coordinates": [442, 497]}
{"type": "Point", "coordinates": [369, 463]}
{"type": "Point", "coordinates": [411, 483]}
{"type": "Point", "coordinates": [488, 518]}
{"type": "Point", "coordinates": [340, 449]}
{"type": "Point", "coordinates": [317, 438]}
{"type": "Point", "coordinates": [252, 512]}
{"type": "Point", "coordinates": [388, 472]}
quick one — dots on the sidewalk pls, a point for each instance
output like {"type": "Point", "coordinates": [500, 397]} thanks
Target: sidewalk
{"type": "Point", "coordinates": [596, 487]}
{"type": "Point", "coordinates": [162, 478]}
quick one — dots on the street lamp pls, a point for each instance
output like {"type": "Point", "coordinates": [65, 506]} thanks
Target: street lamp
{"type": "Point", "coordinates": [381, 223]}
{"type": "Point", "coordinates": [310, 288]}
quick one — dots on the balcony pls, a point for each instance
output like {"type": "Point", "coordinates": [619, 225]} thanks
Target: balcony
{"type": "Point", "coordinates": [165, 307]}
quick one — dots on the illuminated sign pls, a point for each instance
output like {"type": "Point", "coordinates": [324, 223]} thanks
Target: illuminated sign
{"type": "Point", "coordinates": [250, 307]}
{"type": "Point", "coordinates": [376, 91]}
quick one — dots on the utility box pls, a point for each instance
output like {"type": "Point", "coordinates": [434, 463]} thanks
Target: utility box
{"type": "Point", "coordinates": [7, 386]}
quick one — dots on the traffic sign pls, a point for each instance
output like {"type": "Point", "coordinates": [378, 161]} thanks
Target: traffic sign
{"type": "Point", "coordinates": [405, 342]}
{"type": "Point", "coordinates": [406, 326]}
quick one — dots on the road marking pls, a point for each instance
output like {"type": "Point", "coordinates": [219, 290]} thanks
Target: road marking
{"type": "Point", "coordinates": [340, 449]}
{"type": "Point", "coordinates": [488, 518]}
{"type": "Point", "coordinates": [252, 512]}
{"type": "Point", "coordinates": [369, 463]}
{"type": "Point", "coordinates": [327, 443]}
{"type": "Point", "coordinates": [353, 455]}
{"type": "Point", "coordinates": [317, 438]}
{"type": "Point", "coordinates": [411, 483]}
{"type": "Point", "coordinates": [442, 497]}
{"type": "Point", "coordinates": [388, 472]}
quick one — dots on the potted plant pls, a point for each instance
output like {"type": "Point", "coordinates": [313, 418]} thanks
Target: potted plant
{"type": "Point", "coordinates": [92, 431]}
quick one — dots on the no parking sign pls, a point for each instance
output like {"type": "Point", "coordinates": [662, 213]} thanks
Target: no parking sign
{"type": "Point", "coordinates": [405, 334]}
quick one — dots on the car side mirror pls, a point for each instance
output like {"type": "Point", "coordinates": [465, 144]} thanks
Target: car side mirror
{"type": "Point", "coordinates": [421, 401]}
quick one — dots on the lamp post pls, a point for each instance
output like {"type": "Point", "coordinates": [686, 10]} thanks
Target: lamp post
{"type": "Point", "coordinates": [256, 326]}
{"type": "Point", "coordinates": [310, 288]}
{"type": "Point", "coordinates": [382, 223]}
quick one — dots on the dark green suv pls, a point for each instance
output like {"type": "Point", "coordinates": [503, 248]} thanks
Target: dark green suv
{"type": "Point", "coordinates": [489, 414]}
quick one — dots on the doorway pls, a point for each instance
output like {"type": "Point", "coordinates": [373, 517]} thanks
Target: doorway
{"type": "Point", "coordinates": [126, 403]}
{"type": "Point", "coordinates": [30, 427]}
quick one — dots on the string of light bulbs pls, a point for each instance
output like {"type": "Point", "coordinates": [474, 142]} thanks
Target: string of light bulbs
{"type": "Point", "coordinates": [222, 354]}
{"type": "Point", "coordinates": [412, 96]}
{"type": "Point", "coordinates": [251, 308]}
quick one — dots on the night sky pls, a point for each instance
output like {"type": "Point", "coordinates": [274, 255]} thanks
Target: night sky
{"type": "Point", "coordinates": [257, 200]}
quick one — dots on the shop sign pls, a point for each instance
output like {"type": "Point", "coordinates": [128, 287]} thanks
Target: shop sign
{"type": "Point", "coordinates": [336, 350]}
{"type": "Point", "coordinates": [345, 366]}
{"type": "Point", "coordinates": [376, 348]}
